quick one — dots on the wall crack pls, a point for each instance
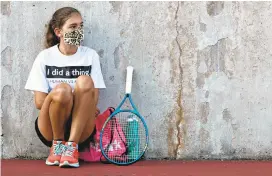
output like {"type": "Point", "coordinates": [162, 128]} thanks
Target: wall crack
{"type": "Point", "coordinates": [180, 118]}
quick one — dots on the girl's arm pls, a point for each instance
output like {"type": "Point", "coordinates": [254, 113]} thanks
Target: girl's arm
{"type": "Point", "coordinates": [96, 97]}
{"type": "Point", "coordinates": [39, 99]}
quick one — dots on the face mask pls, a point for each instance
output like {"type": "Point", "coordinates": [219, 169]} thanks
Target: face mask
{"type": "Point", "coordinates": [74, 37]}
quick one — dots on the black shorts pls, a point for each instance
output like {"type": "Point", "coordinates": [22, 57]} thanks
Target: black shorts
{"type": "Point", "coordinates": [81, 146]}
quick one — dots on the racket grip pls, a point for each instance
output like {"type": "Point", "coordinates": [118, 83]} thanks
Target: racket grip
{"type": "Point", "coordinates": [129, 79]}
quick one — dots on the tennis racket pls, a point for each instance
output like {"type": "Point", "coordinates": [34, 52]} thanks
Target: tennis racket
{"type": "Point", "coordinates": [127, 128]}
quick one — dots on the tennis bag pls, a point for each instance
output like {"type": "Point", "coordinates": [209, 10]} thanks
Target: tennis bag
{"type": "Point", "coordinates": [93, 153]}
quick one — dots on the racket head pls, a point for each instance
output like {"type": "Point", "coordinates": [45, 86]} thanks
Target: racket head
{"type": "Point", "coordinates": [135, 137]}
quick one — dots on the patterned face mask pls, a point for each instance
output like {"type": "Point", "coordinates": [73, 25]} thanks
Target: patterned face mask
{"type": "Point", "coordinates": [74, 37]}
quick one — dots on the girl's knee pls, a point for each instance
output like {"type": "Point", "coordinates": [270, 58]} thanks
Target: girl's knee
{"type": "Point", "coordinates": [62, 93]}
{"type": "Point", "coordinates": [84, 83]}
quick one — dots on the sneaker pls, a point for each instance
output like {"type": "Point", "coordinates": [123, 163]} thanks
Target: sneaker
{"type": "Point", "coordinates": [55, 153]}
{"type": "Point", "coordinates": [70, 156]}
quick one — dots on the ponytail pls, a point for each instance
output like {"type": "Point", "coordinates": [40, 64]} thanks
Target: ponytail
{"type": "Point", "coordinates": [51, 38]}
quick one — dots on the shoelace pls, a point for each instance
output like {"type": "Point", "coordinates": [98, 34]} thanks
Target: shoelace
{"type": "Point", "coordinates": [69, 150]}
{"type": "Point", "coordinates": [59, 148]}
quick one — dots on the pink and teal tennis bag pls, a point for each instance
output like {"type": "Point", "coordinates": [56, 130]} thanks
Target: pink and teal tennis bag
{"type": "Point", "coordinates": [94, 154]}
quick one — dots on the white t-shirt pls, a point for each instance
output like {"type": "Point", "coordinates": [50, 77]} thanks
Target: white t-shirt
{"type": "Point", "coordinates": [51, 68]}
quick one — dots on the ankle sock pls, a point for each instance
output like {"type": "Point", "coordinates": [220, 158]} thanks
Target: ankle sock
{"type": "Point", "coordinates": [58, 139]}
{"type": "Point", "coordinates": [71, 142]}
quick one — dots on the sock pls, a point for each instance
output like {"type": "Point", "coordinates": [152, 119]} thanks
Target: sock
{"type": "Point", "coordinates": [71, 142]}
{"type": "Point", "coordinates": [58, 139]}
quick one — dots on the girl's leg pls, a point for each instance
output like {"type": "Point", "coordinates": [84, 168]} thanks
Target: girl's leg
{"type": "Point", "coordinates": [54, 113]}
{"type": "Point", "coordinates": [83, 115]}
{"type": "Point", "coordinates": [60, 109]}
{"type": "Point", "coordinates": [83, 119]}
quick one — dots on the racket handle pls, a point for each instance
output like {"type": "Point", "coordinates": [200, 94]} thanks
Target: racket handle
{"type": "Point", "coordinates": [129, 79]}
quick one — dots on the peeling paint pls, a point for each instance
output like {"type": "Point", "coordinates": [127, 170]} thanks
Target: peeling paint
{"type": "Point", "coordinates": [111, 78]}
{"type": "Point", "coordinates": [116, 5]}
{"type": "Point", "coordinates": [235, 127]}
{"type": "Point", "coordinates": [120, 58]}
{"type": "Point", "coordinates": [6, 96]}
{"type": "Point", "coordinates": [101, 53]}
{"type": "Point", "coordinates": [207, 94]}
{"type": "Point", "coordinates": [217, 56]}
{"type": "Point", "coordinates": [214, 8]}
{"type": "Point", "coordinates": [5, 8]}
{"type": "Point", "coordinates": [122, 32]}
{"type": "Point", "coordinates": [202, 67]}
{"type": "Point", "coordinates": [205, 146]}
{"type": "Point", "coordinates": [200, 80]}
{"type": "Point", "coordinates": [203, 27]}
{"type": "Point", "coordinates": [226, 115]}
{"type": "Point", "coordinates": [117, 56]}
{"type": "Point", "coordinates": [227, 147]}
{"type": "Point", "coordinates": [211, 59]}
{"type": "Point", "coordinates": [204, 112]}
{"type": "Point", "coordinates": [6, 58]}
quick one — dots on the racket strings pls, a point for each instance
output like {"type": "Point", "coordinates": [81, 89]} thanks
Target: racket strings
{"type": "Point", "coordinates": [124, 138]}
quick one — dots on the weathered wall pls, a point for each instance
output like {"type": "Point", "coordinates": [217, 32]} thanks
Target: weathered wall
{"type": "Point", "coordinates": [202, 73]}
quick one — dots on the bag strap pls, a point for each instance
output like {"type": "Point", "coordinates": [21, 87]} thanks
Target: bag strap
{"type": "Point", "coordinates": [106, 162]}
{"type": "Point", "coordinates": [112, 109]}
{"type": "Point", "coordinates": [125, 152]}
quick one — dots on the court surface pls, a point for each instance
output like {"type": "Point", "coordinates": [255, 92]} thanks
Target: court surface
{"type": "Point", "coordinates": [142, 168]}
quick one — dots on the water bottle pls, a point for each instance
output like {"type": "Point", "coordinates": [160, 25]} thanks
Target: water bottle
{"type": "Point", "coordinates": [132, 137]}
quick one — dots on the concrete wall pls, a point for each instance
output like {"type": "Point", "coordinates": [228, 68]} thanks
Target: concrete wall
{"type": "Point", "coordinates": [202, 73]}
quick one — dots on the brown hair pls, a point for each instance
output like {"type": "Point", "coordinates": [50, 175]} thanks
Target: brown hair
{"type": "Point", "coordinates": [57, 21]}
